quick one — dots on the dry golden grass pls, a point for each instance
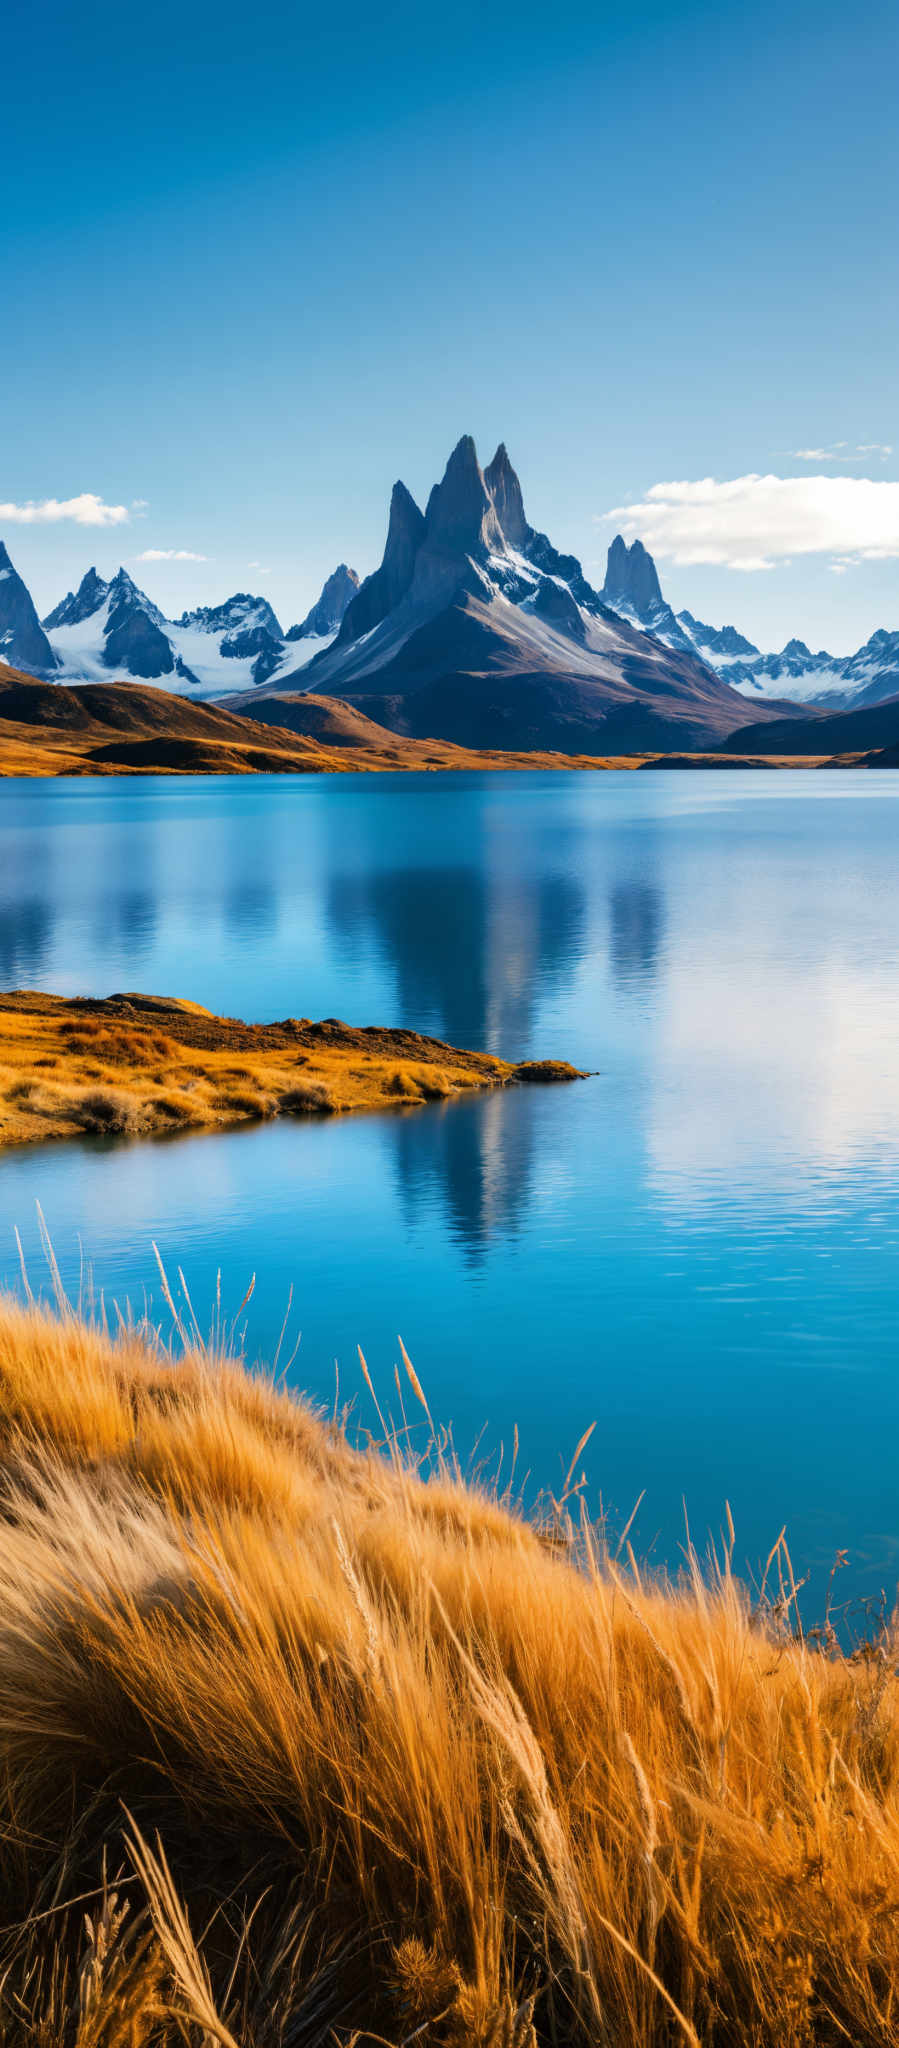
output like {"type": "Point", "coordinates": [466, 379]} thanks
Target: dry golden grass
{"type": "Point", "coordinates": [137, 1064]}
{"type": "Point", "coordinates": [300, 1747]}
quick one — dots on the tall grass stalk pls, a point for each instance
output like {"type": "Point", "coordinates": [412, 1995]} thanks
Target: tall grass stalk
{"type": "Point", "coordinates": [304, 1745]}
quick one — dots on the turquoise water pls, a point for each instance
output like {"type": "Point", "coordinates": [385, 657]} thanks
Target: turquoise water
{"type": "Point", "coordinates": [698, 1248]}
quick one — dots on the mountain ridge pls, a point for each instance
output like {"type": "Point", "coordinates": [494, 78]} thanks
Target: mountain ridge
{"type": "Point", "coordinates": [511, 605]}
{"type": "Point", "coordinates": [105, 628]}
{"type": "Point", "coordinates": [794, 674]}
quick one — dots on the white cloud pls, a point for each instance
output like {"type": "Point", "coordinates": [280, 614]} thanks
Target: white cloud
{"type": "Point", "coordinates": [840, 451]}
{"type": "Point", "coordinates": [87, 510]}
{"type": "Point", "coordinates": [263, 568]}
{"type": "Point", "coordinates": [170, 555]}
{"type": "Point", "coordinates": [752, 522]}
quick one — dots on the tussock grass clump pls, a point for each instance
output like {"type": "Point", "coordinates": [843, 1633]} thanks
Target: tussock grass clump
{"type": "Point", "coordinates": [238, 1102]}
{"type": "Point", "coordinates": [301, 1746]}
{"type": "Point", "coordinates": [403, 1085]}
{"type": "Point", "coordinates": [107, 1109]}
{"type": "Point", "coordinates": [307, 1098]}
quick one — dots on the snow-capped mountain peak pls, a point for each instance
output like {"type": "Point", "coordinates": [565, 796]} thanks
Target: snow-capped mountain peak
{"type": "Point", "coordinates": [242, 612]}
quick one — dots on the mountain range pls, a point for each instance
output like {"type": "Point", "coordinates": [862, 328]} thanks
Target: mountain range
{"type": "Point", "coordinates": [795, 675]}
{"type": "Point", "coordinates": [474, 629]}
{"type": "Point", "coordinates": [103, 629]}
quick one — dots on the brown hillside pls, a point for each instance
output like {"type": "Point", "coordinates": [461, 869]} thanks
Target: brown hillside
{"type": "Point", "coordinates": [108, 728]}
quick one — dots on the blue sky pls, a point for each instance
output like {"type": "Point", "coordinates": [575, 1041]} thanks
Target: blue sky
{"type": "Point", "coordinates": [259, 263]}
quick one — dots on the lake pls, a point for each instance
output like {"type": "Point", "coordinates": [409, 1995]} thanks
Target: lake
{"type": "Point", "coordinates": [698, 1248]}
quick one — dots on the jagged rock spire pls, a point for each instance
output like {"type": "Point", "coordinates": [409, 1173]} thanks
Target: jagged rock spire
{"type": "Point", "coordinates": [380, 592]}
{"type": "Point", "coordinates": [460, 518]}
{"type": "Point", "coordinates": [405, 533]}
{"type": "Point", "coordinates": [505, 490]}
{"type": "Point", "coordinates": [631, 577]}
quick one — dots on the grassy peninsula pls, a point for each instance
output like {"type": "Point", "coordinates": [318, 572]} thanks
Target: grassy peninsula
{"type": "Point", "coordinates": [138, 1064]}
{"type": "Point", "coordinates": [308, 1744]}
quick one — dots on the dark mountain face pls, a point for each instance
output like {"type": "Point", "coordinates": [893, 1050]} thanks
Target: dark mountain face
{"type": "Point", "coordinates": [380, 593]}
{"type": "Point", "coordinates": [80, 604]}
{"type": "Point", "coordinates": [327, 613]}
{"type": "Point", "coordinates": [137, 646]}
{"type": "Point", "coordinates": [135, 640]}
{"type": "Point", "coordinates": [23, 642]}
{"type": "Point", "coordinates": [475, 628]}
